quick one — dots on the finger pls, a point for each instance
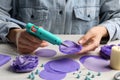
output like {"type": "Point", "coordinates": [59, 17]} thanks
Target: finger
{"type": "Point", "coordinates": [17, 37]}
{"type": "Point", "coordinates": [43, 41]}
{"type": "Point", "coordinates": [25, 51]}
{"type": "Point", "coordinates": [85, 38]}
{"type": "Point", "coordinates": [31, 38]}
{"type": "Point", "coordinates": [26, 42]}
{"type": "Point", "coordinates": [44, 44]}
{"type": "Point", "coordinates": [91, 46]}
{"type": "Point", "coordinates": [35, 41]}
{"type": "Point", "coordinates": [38, 44]}
{"type": "Point", "coordinates": [25, 48]}
{"type": "Point", "coordinates": [87, 49]}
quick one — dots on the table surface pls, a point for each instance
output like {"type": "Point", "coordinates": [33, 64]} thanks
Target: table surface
{"type": "Point", "coordinates": [10, 49]}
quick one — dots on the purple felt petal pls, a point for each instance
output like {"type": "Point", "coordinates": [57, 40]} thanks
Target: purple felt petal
{"type": "Point", "coordinates": [105, 51]}
{"type": "Point", "coordinates": [51, 76]}
{"type": "Point", "coordinates": [24, 63]}
{"type": "Point", "coordinates": [45, 53]}
{"type": "Point", "coordinates": [95, 63]}
{"type": "Point", "coordinates": [71, 48]}
{"type": "Point", "coordinates": [64, 65]}
{"type": "Point", "coordinates": [48, 69]}
{"type": "Point", "coordinates": [19, 60]}
{"type": "Point", "coordinates": [4, 59]}
{"type": "Point", "coordinates": [22, 70]}
{"type": "Point", "coordinates": [104, 55]}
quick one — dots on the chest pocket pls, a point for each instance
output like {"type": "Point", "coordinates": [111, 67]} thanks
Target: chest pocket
{"type": "Point", "coordinates": [33, 15]}
{"type": "Point", "coordinates": [86, 13]}
{"type": "Point", "coordinates": [35, 11]}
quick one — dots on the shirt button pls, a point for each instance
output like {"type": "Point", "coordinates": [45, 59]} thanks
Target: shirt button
{"type": "Point", "coordinates": [32, 16]}
{"type": "Point", "coordinates": [89, 15]}
{"type": "Point", "coordinates": [60, 12]}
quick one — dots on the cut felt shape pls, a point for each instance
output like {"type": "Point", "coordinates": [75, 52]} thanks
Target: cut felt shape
{"type": "Point", "coordinates": [71, 47]}
{"type": "Point", "coordinates": [65, 65]}
{"type": "Point", "coordinates": [45, 52]}
{"type": "Point", "coordinates": [95, 63]}
{"type": "Point", "coordinates": [51, 76]}
{"type": "Point", "coordinates": [57, 69]}
{"type": "Point", "coordinates": [4, 59]}
{"type": "Point", "coordinates": [24, 63]}
{"type": "Point", "coordinates": [49, 69]}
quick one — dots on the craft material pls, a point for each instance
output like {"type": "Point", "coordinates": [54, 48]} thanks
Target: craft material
{"type": "Point", "coordinates": [71, 48]}
{"type": "Point", "coordinates": [105, 51]}
{"type": "Point", "coordinates": [61, 65]}
{"type": "Point", "coordinates": [42, 65]}
{"type": "Point", "coordinates": [51, 76]}
{"type": "Point", "coordinates": [78, 76]}
{"type": "Point", "coordinates": [95, 63]}
{"type": "Point", "coordinates": [24, 63]}
{"type": "Point", "coordinates": [45, 53]}
{"type": "Point", "coordinates": [37, 72]}
{"type": "Point", "coordinates": [92, 76]}
{"type": "Point", "coordinates": [99, 74]}
{"type": "Point", "coordinates": [57, 69]}
{"type": "Point", "coordinates": [4, 59]}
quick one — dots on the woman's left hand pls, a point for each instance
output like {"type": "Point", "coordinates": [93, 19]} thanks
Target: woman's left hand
{"type": "Point", "coordinates": [91, 40]}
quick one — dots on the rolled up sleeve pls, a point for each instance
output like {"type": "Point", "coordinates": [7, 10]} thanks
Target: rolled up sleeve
{"type": "Point", "coordinates": [113, 27]}
{"type": "Point", "coordinates": [5, 26]}
{"type": "Point", "coordinates": [4, 29]}
{"type": "Point", "coordinates": [110, 11]}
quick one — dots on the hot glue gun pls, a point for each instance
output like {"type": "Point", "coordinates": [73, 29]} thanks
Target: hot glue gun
{"type": "Point", "coordinates": [39, 32]}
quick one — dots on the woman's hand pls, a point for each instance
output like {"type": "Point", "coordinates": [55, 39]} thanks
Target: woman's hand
{"type": "Point", "coordinates": [91, 40]}
{"type": "Point", "coordinates": [25, 42]}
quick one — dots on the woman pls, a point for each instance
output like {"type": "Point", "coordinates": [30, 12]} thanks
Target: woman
{"type": "Point", "coordinates": [97, 19]}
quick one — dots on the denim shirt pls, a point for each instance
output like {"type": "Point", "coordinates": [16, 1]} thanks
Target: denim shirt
{"type": "Point", "coordinates": [62, 16]}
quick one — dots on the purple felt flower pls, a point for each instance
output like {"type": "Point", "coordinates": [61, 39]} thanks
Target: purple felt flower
{"type": "Point", "coordinates": [58, 69]}
{"type": "Point", "coordinates": [24, 63]}
{"type": "Point", "coordinates": [71, 48]}
{"type": "Point", "coordinates": [118, 44]}
{"type": "Point", "coordinates": [105, 51]}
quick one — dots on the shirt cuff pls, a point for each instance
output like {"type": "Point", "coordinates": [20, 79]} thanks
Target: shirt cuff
{"type": "Point", "coordinates": [5, 27]}
{"type": "Point", "coordinates": [110, 26]}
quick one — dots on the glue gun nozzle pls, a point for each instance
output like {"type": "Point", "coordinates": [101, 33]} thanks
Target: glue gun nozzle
{"type": "Point", "coordinates": [64, 44]}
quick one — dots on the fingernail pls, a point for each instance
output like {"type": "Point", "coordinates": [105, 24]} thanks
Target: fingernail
{"type": "Point", "coordinates": [81, 41]}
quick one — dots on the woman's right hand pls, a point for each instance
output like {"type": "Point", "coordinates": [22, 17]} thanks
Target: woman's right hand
{"type": "Point", "coordinates": [25, 42]}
